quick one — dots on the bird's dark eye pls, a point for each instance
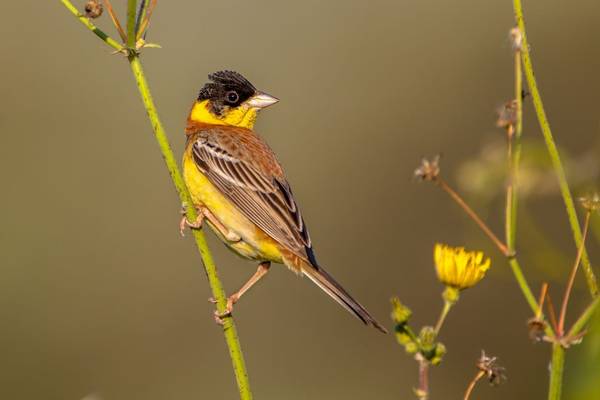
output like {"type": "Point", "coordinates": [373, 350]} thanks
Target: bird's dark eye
{"type": "Point", "coordinates": [232, 96]}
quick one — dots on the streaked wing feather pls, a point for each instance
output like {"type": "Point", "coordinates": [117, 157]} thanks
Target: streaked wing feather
{"type": "Point", "coordinates": [264, 199]}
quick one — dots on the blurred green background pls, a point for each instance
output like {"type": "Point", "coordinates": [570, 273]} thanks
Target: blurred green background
{"type": "Point", "coordinates": [101, 298]}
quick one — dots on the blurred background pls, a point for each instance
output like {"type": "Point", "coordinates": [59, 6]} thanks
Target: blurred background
{"type": "Point", "coordinates": [100, 298]}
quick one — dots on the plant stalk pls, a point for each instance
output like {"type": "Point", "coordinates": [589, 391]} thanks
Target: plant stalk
{"type": "Point", "coordinates": [582, 321]}
{"type": "Point", "coordinates": [565, 303]}
{"type": "Point", "coordinates": [474, 381]}
{"type": "Point", "coordinates": [553, 150]}
{"type": "Point", "coordinates": [459, 200]}
{"type": "Point", "coordinates": [447, 306]}
{"type": "Point", "coordinates": [556, 371]}
{"type": "Point", "coordinates": [229, 329]}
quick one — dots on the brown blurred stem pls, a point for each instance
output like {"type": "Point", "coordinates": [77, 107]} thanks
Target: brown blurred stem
{"type": "Point", "coordinates": [476, 379]}
{"type": "Point", "coordinates": [229, 329]}
{"type": "Point", "coordinates": [565, 303]}
{"type": "Point", "coordinates": [423, 389]}
{"type": "Point", "coordinates": [459, 200]}
{"type": "Point", "coordinates": [552, 149]}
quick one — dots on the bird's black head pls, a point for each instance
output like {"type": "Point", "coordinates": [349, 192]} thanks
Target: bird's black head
{"type": "Point", "coordinates": [226, 89]}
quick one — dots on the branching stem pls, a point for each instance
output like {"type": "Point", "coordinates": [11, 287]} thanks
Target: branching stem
{"type": "Point", "coordinates": [229, 329]}
{"type": "Point", "coordinates": [553, 150]}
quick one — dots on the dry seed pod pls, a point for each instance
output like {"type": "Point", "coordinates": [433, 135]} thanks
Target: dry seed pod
{"type": "Point", "coordinates": [93, 9]}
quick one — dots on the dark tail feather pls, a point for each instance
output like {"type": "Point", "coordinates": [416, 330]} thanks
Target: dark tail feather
{"type": "Point", "coordinates": [326, 282]}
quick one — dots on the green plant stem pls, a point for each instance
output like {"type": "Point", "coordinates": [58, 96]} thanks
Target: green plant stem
{"type": "Point", "coordinates": [229, 329]}
{"type": "Point", "coordinates": [131, 13]}
{"type": "Point", "coordinates": [556, 371]}
{"type": "Point", "coordinates": [514, 156]}
{"type": "Point", "coordinates": [88, 24]}
{"type": "Point", "coordinates": [582, 321]}
{"type": "Point", "coordinates": [447, 306]}
{"type": "Point", "coordinates": [142, 11]}
{"type": "Point", "coordinates": [553, 150]}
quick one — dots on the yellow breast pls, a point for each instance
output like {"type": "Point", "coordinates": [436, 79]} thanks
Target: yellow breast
{"type": "Point", "coordinates": [255, 244]}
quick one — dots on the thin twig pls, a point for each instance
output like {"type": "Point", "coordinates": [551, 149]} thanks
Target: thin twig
{"type": "Point", "coordinates": [552, 312]}
{"type": "Point", "coordinates": [542, 299]}
{"type": "Point", "coordinates": [442, 317]}
{"type": "Point", "coordinates": [553, 150]}
{"type": "Point", "coordinates": [565, 303]}
{"type": "Point", "coordinates": [582, 321]}
{"type": "Point", "coordinates": [514, 152]}
{"type": "Point", "coordinates": [474, 381]}
{"type": "Point", "coordinates": [146, 21]}
{"type": "Point", "coordinates": [459, 200]}
{"type": "Point", "coordinates": [115, 20]}
{"type": "Point", "coordinates": [131, 12]}
{"type": "Point", "coordinates": [88, 24]}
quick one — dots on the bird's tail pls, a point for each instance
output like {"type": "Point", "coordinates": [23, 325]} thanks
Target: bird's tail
{"type": "Point", "coordinates": [326, 282]}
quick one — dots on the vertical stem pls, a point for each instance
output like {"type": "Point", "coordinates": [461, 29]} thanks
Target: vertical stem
{"type": "Point", "coordinates": [143, 9]}
{"type": "Point", "coordinates": [522, 282]}
{"type": "Point", "coordinates": [514, 156]}
{"type": "Point", "coordinates": [556, 372]}
{"type": "Point", "coordinates": [553, 150]}
{"type": "Point", "coordinates": [423, 390]}
{"type": "Point", "coordinates": [565, 303]}
{"type": "Point", "coordinates": [229, 329]}
{"type": "Point", "coordinates": [131, 10]}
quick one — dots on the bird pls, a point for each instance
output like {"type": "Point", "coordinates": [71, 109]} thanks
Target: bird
{"type": "Point", "coordinates": [240, 190]}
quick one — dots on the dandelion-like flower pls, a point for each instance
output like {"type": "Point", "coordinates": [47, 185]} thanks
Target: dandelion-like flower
{"type": "Point", "coordinates": [458, 268]}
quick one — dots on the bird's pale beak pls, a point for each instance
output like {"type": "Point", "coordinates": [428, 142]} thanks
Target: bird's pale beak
{"type": "Point", "coordinates": [261, 100]}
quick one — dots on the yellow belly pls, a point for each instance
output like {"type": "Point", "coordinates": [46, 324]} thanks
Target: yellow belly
{"type": "Point", "coordinates": [255, 244]}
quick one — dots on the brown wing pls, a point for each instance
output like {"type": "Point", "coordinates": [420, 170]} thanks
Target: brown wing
{"type": "Point", "coordinates": [242, 166]}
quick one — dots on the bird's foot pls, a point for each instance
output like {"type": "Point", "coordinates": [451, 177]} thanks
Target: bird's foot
{"type": "Point", "coordinates": [219, 316]}
{"type": "Point", "coordinates": [186, 223]}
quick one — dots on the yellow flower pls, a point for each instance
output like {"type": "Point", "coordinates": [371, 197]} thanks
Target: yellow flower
{"type": "Point", "coordinates": [458, 268]}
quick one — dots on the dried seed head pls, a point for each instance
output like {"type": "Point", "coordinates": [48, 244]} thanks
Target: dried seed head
{"type": "Point", "coordinates": [591, 202]}
{"type": "Point", "coordinates": [93, 9]}
{"type": "Point", "coordinates": [494, 372]}
{"type": "Point", "coordinates": [428, 170]}
{"type": "Point", "coordinates": [537, 326]}
{"type": "Point", "coordinates": [516, 38]}
{"type": "Point", "coordinates": [507, 115]}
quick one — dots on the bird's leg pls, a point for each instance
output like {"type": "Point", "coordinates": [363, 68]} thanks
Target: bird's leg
{"type": "Point", "coordinates": [261, 271]}
{"type": "Point", "coordinates": [205, 213]}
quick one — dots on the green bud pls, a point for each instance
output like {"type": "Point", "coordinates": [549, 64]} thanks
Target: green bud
{"type": "Point", "coordinates": [400, 313]}
{"type": "Point", "coordinates": [451, 294]}
{"type": "Point", "coordinates": [411, 347]}
{"type": "Point", "coordinates": [438, 354]}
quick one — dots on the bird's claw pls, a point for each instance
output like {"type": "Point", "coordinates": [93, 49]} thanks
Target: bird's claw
{"type": "Point", "coordinates": [218, 315]}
